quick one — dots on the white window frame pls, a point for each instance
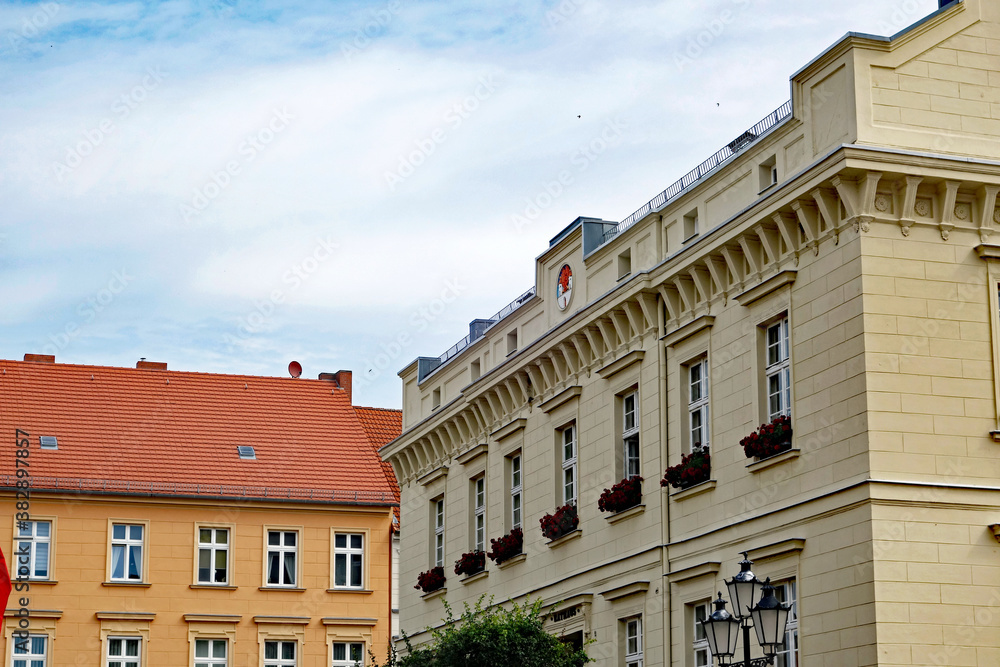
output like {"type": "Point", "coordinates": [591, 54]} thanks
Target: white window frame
{"type": "Point", "coordinates": [516, 491]}
{"type": "Point", "coordinates": [33, 540]}
{"type": "Point", "coordinates": [25, 659]}
{"type": "Point", "coordinates": [777, 360]}
{"type": "Point", "coordinates": [279, 661]}
{"type": "Point", "coordinates": [479, 513]}
{"type": "Point", "coordinates": [347, 661]}
{"type": "Point", "coordinates": [128, 546]}
{"type": "Point", "coordinates": [211, 660]}
{"type": "Point", "coordinates": [699, 646]}
{"type": "Point", "coordinates": [280, 550]}
{"type": "Point", "coordinates": [788, 655]}
{"type": "Point", "coordinates": [213, 548]}
{"type": "Point", "coordinates": [349, 554]}
{"type": "Point", "coordinates": [123, 659]}
{"type": "Point", "coordinates": [439, 532]}
{"type": "Point", "coordinates": [633, 641]}
{"type": "Point", "coordinates": [568, 447]}
{"type": "Point", "coordinates": [698, 404]}
{"type": "Point", "coordinates": [631, 452]}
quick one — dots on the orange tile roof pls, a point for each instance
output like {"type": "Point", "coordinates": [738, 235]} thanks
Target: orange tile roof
{"type": "Point", "coordinates": [383, 426]}
{"type": "Point", "coordinates": [176, 433]}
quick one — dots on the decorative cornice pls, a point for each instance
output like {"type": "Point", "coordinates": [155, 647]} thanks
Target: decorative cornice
{"type": "Point", "coordinates": [509, 429]}
{"type": "Point", "coordinates": [620, 364]}
{"type": "Point", "coordinates": [772, 284]}
{"type": "Point", "coordinates": [346, 620]}
{"type": "Point", "coordinates": [472, 454]}
{"type": "Point", "coordinates": [212, 618]}
{"type": "Point", "coordinates": [988, 251]}
{"type": "Point", "coordinates": [777, 549]}
{"type": "Point", "coordinates": [691, 328]}
{"type": "Point", "coordinates": [563, 397]}
{"type": "Point", "coordinates": [124, 615]}
{"type": "Point", "coordinates": [710, 568]}
{"type": "Point", "coordinates": [281, 620]}
{"type": "Point", "coordinates": [626, 590]}
{"type": "Point", "coordinates": [34, 613]}
{"type": "Point", "coordinates": [433, 475]}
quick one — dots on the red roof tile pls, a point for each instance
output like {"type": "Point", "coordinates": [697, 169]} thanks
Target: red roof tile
{"type": "Point", "coordinates": [169, 428]}
{"type": "Point", "coordinates": [383, 426]}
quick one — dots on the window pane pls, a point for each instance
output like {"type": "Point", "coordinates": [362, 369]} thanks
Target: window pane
{"type": "Point", "coordinates": [221, 564]}
{"type": "Point", "coordinates": [201, 648]}
{"type": "Point", "coordinates": [274, 538]}
{"type": "Point", "coordinates": [355, 570]}
{"type": "Point", "coordinates": [356, 541]}
{"type": "Point", "coordinates": [41, 559]}
{"type": "Point", "coordinates": [356, 651]}
{"type": "Point", "coordinates": [117, 561]}
{"type": "Point", "coordinates": [205, 535]}
{"type": "Point", "coordinates": [42, 528]}
{"type": "Point", "coordinates": [340, 570]}
{"type": "Point", "coordinates": [219, 648]}
{"type": "Point", "coordinates": [118, 531]}
{"type": "Point", "coordinates": [135, 562]}
{"type": "Point", "coordinates": [135, 532]}
{"type": "Point", "coordinates": [270, 650]}
{"type": "Point", "coordinates": [272, 567]}
{"type": "Point", "coordinates": [289, 569]}
{"type": "Point", "coordinates": [340, 651]}
{"type": "Point", "coordinates": [222, 536]}
{"type": "Point", "coordinates": [290, 539]}
{"type": "Point", "coordinates": [204, 564]}
{"type": "Point", "coordinates": [340, 541]}
{"type": "Point", "coordinates": [288, 650]}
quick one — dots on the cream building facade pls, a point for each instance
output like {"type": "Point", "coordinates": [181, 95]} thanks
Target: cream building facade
{"type": "Point", "coordinates": [838, 263]}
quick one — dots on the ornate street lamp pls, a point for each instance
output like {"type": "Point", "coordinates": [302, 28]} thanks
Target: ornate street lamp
{"type": "Point", "coordinates": [768, 616]}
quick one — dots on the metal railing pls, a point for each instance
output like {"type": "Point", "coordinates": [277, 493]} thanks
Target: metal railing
{"type": "Point", "coordinates": [721, 156]}
{"type": "Point", "coordinates": [242, 491]}
{"type": "Point", "coordinates": [501, 314]}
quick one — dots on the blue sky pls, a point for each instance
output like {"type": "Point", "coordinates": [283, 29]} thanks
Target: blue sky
{"type": "Point", "coordinates": [230, 185]}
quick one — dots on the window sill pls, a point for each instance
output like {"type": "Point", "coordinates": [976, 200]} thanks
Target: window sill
{"type": "Point", "coordinates": [217, 587]}
{"type": "Point", "coordinates": [475, 577]}
{"type": "Point", "coordinates": [358, 591]}
{"type": "Point", "coordinates": [434, 594]}
{"type": "Point", "coordinates": [559, 541]}
{"type": "Point", "coordinates": [281, 589]}
{"type": "Point", "coordinates": [133, 584]}
{"type": "Point", "coordinates": [696, 490]}
{"type": "Point", "coordinates": [34, 582]}
{"type": "Point", "coordinates": [514, 560]}
{"type": "Point", "coordinates": [626, 514]}
{"type": "Point", "coordinates": [771, 461]}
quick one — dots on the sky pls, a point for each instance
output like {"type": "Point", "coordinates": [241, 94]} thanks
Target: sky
{"type": "Point", "coordinates": [231, 185]}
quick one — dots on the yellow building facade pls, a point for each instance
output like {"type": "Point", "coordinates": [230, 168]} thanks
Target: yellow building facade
{"type": "Point", "coordinates": [838, 266]}
{"type": "Point", "coordinates": [183, 543]}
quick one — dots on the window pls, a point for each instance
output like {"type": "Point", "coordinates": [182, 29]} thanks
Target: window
{"type": "Point", "coordinates": [438, 507]}
{"type": "Point", "coordinates": [479, 513]}
{"type": "Point", "coordinates": [630, 435]}
{"type": "Point", "coordinates": [213, 555]}
{"type": "Point", "coordinates": [348, 560]}
{"type": "Point", "coordinates": [211, 653]}
{"type": "Point", "coordinates": [35, 539]}
{"type": "Point", "coordinates": [516, 491]}
{"type": "Point", "coordinates": [124, 651]}
{"type": "Point", "coordinates": [436, 399]}
{"type": "Point", "coordinates": [788, 656]}
{"type": "Point", "coordinates": [624, 264]}
{"type": "Point", "coordinates": [698, 404]}
{"type": "Point", "coordinates": [690, 225]}
{"type": "Point", "coordinates": [702, 654]}
{"type": "Point", "coordinates": [512, 342]}
{"type": "Point", "coordinates": [31, 652]}
{"type": "Point", "coordinates": [569, 475]}
{"type": "Point", "coordinates": [768, 171]}
{"type": "Point", "coordinates": [778, 370]}
{"type": "Point", "coordinates": [347, 654]}
{"type": "Point", "coordinates": [126, 552]}
{"type": "Point", "coordinates": [279, 654]}
{"type": "Point", "coordinates": [476, 369]}
{"type": "Point", "coordinates": [633, 642]}
{"type": "Point", "coordinates": [282, 549]}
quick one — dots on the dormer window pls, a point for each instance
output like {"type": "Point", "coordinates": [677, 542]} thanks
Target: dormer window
{"type": "Point", "coordinates": [246, 452]}
{"type": "Point", "coordinates": [48, 442]}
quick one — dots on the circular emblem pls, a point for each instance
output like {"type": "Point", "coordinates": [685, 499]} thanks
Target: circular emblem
{"type": "Point", "coordinates": [963, 211]}
{"type": "Point", "coordinates": [882, 203]}
{"type": "Point", "coordinates": [923, 208]}
{"type": "Point", "coordinates": [564, 287]}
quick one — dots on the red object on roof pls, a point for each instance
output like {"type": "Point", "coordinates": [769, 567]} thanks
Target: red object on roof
{"type": "Point", "coordinates": [383, 426]}
{"type": "Point", "coordinates": [124, 430]}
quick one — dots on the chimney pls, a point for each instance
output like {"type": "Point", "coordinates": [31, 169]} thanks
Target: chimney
{"type": "Point", "coordinates": [342, 379]}
{"type": "Point", "coordinates": [142, 364]}
{"type": "Point", "coordinates": [41, 358]}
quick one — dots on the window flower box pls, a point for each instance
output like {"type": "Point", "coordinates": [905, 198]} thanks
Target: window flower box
{"type": "Point", "coordinates": [471, 563]}
{"type": "Point", "coordinates": [563, 522]}
{"type": "Point", "coordinates": [431, 580]}
{"type": "Point", "coordinates": [694, 468]}
{"type": "Point", "coordinates": [624, 495]}
{"type": "Point", "coordinates": [506, 547]}
{"type": "Point", "coordinates": [769, 439]}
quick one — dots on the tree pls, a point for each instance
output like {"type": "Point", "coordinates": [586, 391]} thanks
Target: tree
{"type": "Point", "coordinates": [493, 636]}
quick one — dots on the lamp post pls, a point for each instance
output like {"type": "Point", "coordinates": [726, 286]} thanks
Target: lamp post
{"type": "Point", "coordinates": [768, 617]}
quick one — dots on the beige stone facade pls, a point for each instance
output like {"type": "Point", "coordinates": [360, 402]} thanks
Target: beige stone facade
{"type": "Point", "coordinates": [862, 224]}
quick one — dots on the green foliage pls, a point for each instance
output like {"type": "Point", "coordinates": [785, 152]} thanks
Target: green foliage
{"type": "Point", "coordinates": [493, 636]}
